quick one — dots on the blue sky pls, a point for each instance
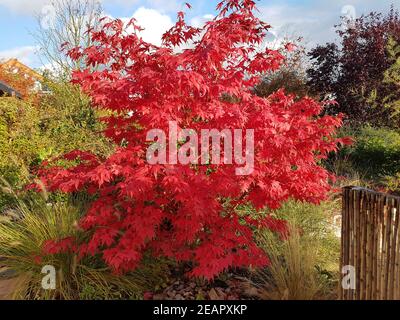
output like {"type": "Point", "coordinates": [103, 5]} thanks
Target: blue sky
{"type": "Point", "coordinates": [312, 19]}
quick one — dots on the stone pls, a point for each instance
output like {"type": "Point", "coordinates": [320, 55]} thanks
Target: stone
{"type": "Point", "coordinates": [213, 295]}
{"type": "Point", "coordinates": [158, 297]}
{"type": "Point", "coordinates": [192, 285]}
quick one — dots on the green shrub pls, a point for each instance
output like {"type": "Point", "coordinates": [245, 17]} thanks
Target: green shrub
{"type": "Point", "coordinates": [69, 121]}
{"type": "Point", "coordinates": [376, 152]}
{"type": "Point", "coordinates": [374, 155]}
{"type": "Point", "coordinates": [20, 140]}
{"type": "Point", "coordinates": [392, 78]}
{"type": "Point", "coordinates": [19, 134]}
{"type": "Point", "coordinates": [55, 124]}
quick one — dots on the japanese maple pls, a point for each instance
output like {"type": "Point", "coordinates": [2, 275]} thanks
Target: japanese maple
{"type": "Point", "coordinates": [188, 212]}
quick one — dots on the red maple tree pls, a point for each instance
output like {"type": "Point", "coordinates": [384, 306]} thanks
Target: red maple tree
{"type": "Point", "coordinates": [188, 212]}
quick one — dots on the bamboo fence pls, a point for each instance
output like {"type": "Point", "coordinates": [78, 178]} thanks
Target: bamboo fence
{"type": "Point", "coordinates": [371, 244]}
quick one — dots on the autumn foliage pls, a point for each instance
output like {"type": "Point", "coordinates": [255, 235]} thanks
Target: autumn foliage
{"type": "Point", "coordinates": [188, 212]}
{"type": "Point", "coordinates": [354, 71]}
{"type": "Point", "coordinates": [18, 82]}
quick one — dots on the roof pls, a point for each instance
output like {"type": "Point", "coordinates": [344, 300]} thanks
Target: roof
{"type": "Point", "coordinates": [5, 88]}
{"type": "Point", "coordinates": [15, 64]}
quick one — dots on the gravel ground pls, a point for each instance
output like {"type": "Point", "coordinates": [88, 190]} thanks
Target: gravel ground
{"type": "Point", "coordinates": [233, 288]}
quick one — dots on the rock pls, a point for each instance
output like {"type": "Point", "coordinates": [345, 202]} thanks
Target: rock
{"type": "Point", "coordinates": [251, 292]}
{"type": "Point", "coordinates": [221, 293]}
{"type": "Point", "coordinates": [230, 288]}
{"type": "Point", "coordinates": [214, 295]}
{"type": "Point", "coordinates": [158, 297]}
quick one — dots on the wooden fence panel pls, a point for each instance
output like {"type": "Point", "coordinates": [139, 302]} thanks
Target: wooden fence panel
{"type": "Point", "coordinates": [370, 244]}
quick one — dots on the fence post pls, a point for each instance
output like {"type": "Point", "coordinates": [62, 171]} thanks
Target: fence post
{"type": "Point", "coordinates": [370, 243]}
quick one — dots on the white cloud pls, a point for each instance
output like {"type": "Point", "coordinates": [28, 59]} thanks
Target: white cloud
{"type": "Point", "coordinates": [199, 21]}
{"type": "Point", "coordinates": [314, 19]}
{"type": "Point", "coordinates": [155, 24]}
{"type": "Point", "coordinates": [126, 3]}
{"type": "Point", "coordinates": [166, 5]}
{"type": "Point", "coordinates": [24, 54]}
{"type": "Point", "coordinates": [29, 7]}
{"type": "Point", "coordinates": [159, 5]}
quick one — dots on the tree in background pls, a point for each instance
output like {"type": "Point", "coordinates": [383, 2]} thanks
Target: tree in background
{"type": "Point", "coordinates": [353, 73]}
{"type": "Point", "coordinates": [291, 76]}
{"type": "Point", "coordinates": [68, 120]}
{"type": "Point", "coordinates": [67, 22]}
{"type": "Point", "coordinates": [392, 78]}
{"type": "Point", "coordinates": [50, 126]}
{"type": "Point", "coordinates": [189, 212]}
{"type": "Point", "coordinates": [20, 144]}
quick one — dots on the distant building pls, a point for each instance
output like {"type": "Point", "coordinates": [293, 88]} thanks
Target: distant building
{"type": "Point", "coordinates": [17, 67]}
{"type": "Point", "coordinates": [6, 90]}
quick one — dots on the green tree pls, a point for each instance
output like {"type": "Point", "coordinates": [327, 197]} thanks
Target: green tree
{"type": "Point", "coordinates": [30, 133]}
{"type": "Point", "coordinates": [20, 142]}
{"type": "Point", "coordinates": [392, 77]}
{"type": "Point", "coordinates": [352, 70]}
{"type": "Point", "coordinates": [69, 122]}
